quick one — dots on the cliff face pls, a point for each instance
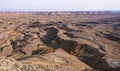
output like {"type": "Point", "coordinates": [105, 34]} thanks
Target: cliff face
{"type": "Point", "coordinates": [49, 62]}
{"type": "Point", "coordinates": [60, 41]}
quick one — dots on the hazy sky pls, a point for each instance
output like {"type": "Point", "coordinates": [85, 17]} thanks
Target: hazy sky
{"type": "Point", "coordinates": [58, 5]}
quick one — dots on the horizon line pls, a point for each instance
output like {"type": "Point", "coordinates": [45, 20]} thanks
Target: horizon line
{"type": "Point", "coordinates": [58, 10]}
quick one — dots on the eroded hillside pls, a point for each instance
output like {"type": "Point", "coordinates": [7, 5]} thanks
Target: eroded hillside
{"type": "Point", "coordinates": [70, 41]}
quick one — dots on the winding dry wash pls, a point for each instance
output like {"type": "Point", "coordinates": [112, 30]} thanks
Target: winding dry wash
{"type": "Point", "coordinates": [60, 41]}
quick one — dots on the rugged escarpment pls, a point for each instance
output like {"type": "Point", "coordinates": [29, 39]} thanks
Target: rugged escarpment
{"type": "Point", "coordinates": [60, 42]}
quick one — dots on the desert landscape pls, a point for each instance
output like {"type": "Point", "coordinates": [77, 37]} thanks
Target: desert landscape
{"type": "Point", "coordinates": [60, 41]}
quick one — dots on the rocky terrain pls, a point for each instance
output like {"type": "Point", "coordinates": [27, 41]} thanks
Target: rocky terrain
{"type": "Point", "coordinates": [59, 41]}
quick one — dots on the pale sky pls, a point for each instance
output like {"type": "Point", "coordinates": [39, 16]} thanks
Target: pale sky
{"type": "Point", "coordinates": [58, 5]}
